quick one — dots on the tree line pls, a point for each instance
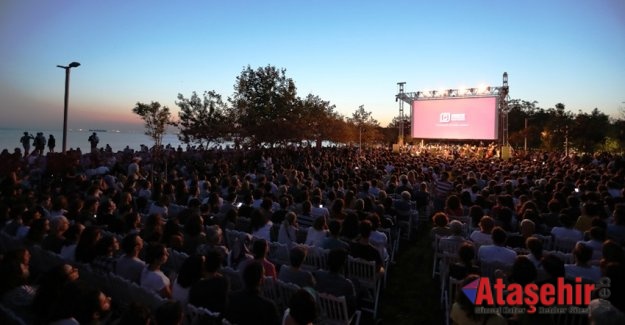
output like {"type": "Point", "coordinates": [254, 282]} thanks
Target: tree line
{"type": "Point", "coordinates": [265, 109]}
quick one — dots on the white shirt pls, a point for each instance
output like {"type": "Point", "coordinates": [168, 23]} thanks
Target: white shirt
{"type": "Point", "coordinates": [379, 240]}
{"type": "Point", "coordinates": [494, 253]}
{"type": "Point", "coordinates": [179, 293]}
{"type": "Point", "coordinates": [264, 232]}
{"type": "Point", "coordinates": [314, 236]}
{"type": "Point", "coordinates": [562, 232]}
{"type": "Point", "coordinates": [154, 280]}
{"type": "Point", "coordinates": [591, 273]}
{"type": "Point", "coordinates": [481, 238]}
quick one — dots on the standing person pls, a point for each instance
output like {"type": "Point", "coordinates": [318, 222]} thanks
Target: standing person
{"type": "Point", "coordinates": [25, 140]}
{"type": "Point", "coordinates": [94, 140]}
{"type": "Point", "coordinates": [40, 143]}
{"type": "Point", "coordinates": [51, 143]}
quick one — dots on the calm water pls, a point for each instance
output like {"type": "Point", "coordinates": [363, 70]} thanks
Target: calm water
{"type": "Point", "coordinates": [10, 139]}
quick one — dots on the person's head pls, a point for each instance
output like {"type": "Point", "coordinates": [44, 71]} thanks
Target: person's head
{"type": "Point", "coordinates": [107, 246]}
{"type": "Point", "coordinates": [486, 224]}
{"type": "Point", "coordinates": [132, 244]}
{"type": "Point", "coordinates": [214, 235]}
{"type": "Point", "coordinates": [528, 227]}
{"type": "Point", "coordinates": [260, 249]}
{"type": "Point", "coordinates": [290, 219]}
{"type": "Point", "coordinates": [320, 223]}
{"type": "Point", "coordinates": [602, 312]}
{"type": "Point", "coordinates": [191, 270]}
{"type": "Point", "coordinates": [582, 253]}
{"type": "Point", "coordinates": [212, 261]}
{"type": "Point", "coordinates": [406, 196]}
{"type": "Point", "coordinates": [59, 225]}
{"type": "Point", "coordinates": [456, 227]}
{"type": "Point", "coordinates": [334, 228]}
{"type": "Point", "coordinates": [337, 258]}
{"type": "Point", "coordinates": [253, 274]}
{"type": "Point", "coordinates": [365, 229]}
{"type": "Point", "coordinates": [523, 271]}
{"type": "Point", "coordinates": [535, 246]}
{"type": "Point", "coordinates": [440, 219]}
{"type": "Point", "coordinates": [553, 266]}
{"type": "Point", "coordinates": [597, 233]}
{"type": "Point", "coordinates": [156, 254]}
{"type": "Point", "coordinates": [303, 307]}
{"type": "Point", "coordinates": [297, 255]}
{"type": "Point", "coordinates": [466, 252]}
{"type": "Point", "coordinates": [135, 313]}
{"type": "Point", "coordinates": [168, 313]}
{"type": "Point", "coordinates": [499, 236]}
{"type": "Point", "coordinates": [83, 302]}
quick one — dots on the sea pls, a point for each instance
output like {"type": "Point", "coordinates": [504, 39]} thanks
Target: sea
{"type": "Point", "coordinates": [118, 140]}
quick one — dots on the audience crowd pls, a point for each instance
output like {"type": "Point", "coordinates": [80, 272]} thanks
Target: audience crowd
{"type": "Point", "coordinates": [541, 216]}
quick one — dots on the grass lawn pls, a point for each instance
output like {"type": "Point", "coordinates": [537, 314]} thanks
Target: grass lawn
{"type": "Point", "coordinates": [412, 296]}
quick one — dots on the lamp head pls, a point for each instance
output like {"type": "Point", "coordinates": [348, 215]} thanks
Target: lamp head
{"type": "Point", "coordinates": [74, 65]}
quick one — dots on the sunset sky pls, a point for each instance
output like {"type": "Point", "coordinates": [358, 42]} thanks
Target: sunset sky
{"type": "Point", "coordinates": [350, 53]}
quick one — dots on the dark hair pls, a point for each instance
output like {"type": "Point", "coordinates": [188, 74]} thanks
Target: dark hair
{"type": "Point", "coordinates": [499, 236]}
{"type": "Point", "coordinates": [252, 275]}
{"type": "Point", "coordinates": [337, 258]}
{"type": "Point", "coordinates": [104, 245]}
{"type": "Point", "coordinates": [135, 313]}
{"type": "Point", "coordinates": [535, 246]}
{"type": "Point", "coordinates": [553, 265]}
{"type": "Point", "coordinates": [169, 312]}
{"type": "Point", "coordinates": [213, 261]}
{"type": "Point", "coordinates": [85, 248]}
{"type": "Point", "coordinates": [523, 271]}
{"type": "Point", "coordinates": [440, 219]}
{"type": "Point", "coordinates": [154, 252]}
{"type": "Point", "coordinates": [365, 228]}
{"type": "Point", "coordinates": [191, 270]}
{"type": "Point", "coordinates": [303, 307]}
{"type": "Point", "coordinates": [297, 255]}
{"type": "Point", "coordinates": [129, 243]}
{"type": "Point", "coordinates": [466, 252]}
{"type": "Point", "coordinates": [259, 248]}
{"type": "Point", "coordinates": [582, 253]}
{"type": "Point", "coordinates": [334, 227]}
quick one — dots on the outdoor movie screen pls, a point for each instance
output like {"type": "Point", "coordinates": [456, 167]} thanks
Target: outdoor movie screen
{"type": "Point", "coordinates": [455, 118]}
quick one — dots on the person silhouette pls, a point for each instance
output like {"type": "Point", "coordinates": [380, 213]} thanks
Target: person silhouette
{"type": "Point", "coordinates": [94, 140]}
{"type": "Point", "coordinates": [51, 143]}
{"type": "Point", "coordinates": [25, 140]}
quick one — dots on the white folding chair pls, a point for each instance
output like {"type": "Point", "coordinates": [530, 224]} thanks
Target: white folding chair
{"type": "Point", "coordinates": [278, 253]}
{"type": "Point", "coordinates": [200, 316]}
{"type": "Point", "coordinates": [236, 283]}
{"type": "Point", "coordinates": [285, 291]}
{"type": "Point", "coordinates": [334, 311]}
{"type": "Point", "coordinates": [367, 275]}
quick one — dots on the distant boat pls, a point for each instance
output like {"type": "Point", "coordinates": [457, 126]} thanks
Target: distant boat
{"type": "Point", "coordinates": [97, 130]}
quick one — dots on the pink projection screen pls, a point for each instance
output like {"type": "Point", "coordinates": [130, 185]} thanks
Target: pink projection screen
{"type": "Point", "coordinates": [455, 118]}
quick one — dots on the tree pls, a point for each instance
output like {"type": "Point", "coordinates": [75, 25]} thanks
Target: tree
{"type": "Point", "coordinates": [589, 131]}
{"type": "Point", "coordinates": [265, 105]}
{"type": "Point", "coordinates": [156, 119]}
{"type": "Point", "coordinates": [392, 130]}
{"type": "Point", "coordinates": [364, 126]}
{"type": "Point", "coordinates": [318, 120]}
{"type": "Point", "coordinates": [203, 120]}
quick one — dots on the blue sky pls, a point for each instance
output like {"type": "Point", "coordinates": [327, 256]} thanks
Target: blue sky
{"type": "Point", "coordinates": [350, 53]}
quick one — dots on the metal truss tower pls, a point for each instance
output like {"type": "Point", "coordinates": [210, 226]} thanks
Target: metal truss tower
{"type": "Point", "coordinates": [504, 109]}
{"type": "Point", "coordinates": [400, 138]}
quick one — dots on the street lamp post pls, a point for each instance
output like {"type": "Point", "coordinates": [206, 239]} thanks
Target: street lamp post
{"type": "Point", "coordinates": [67, 68]}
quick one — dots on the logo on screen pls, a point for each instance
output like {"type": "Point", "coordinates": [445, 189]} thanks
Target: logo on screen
{"type": "Point", "coordinates": [445, 118]}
